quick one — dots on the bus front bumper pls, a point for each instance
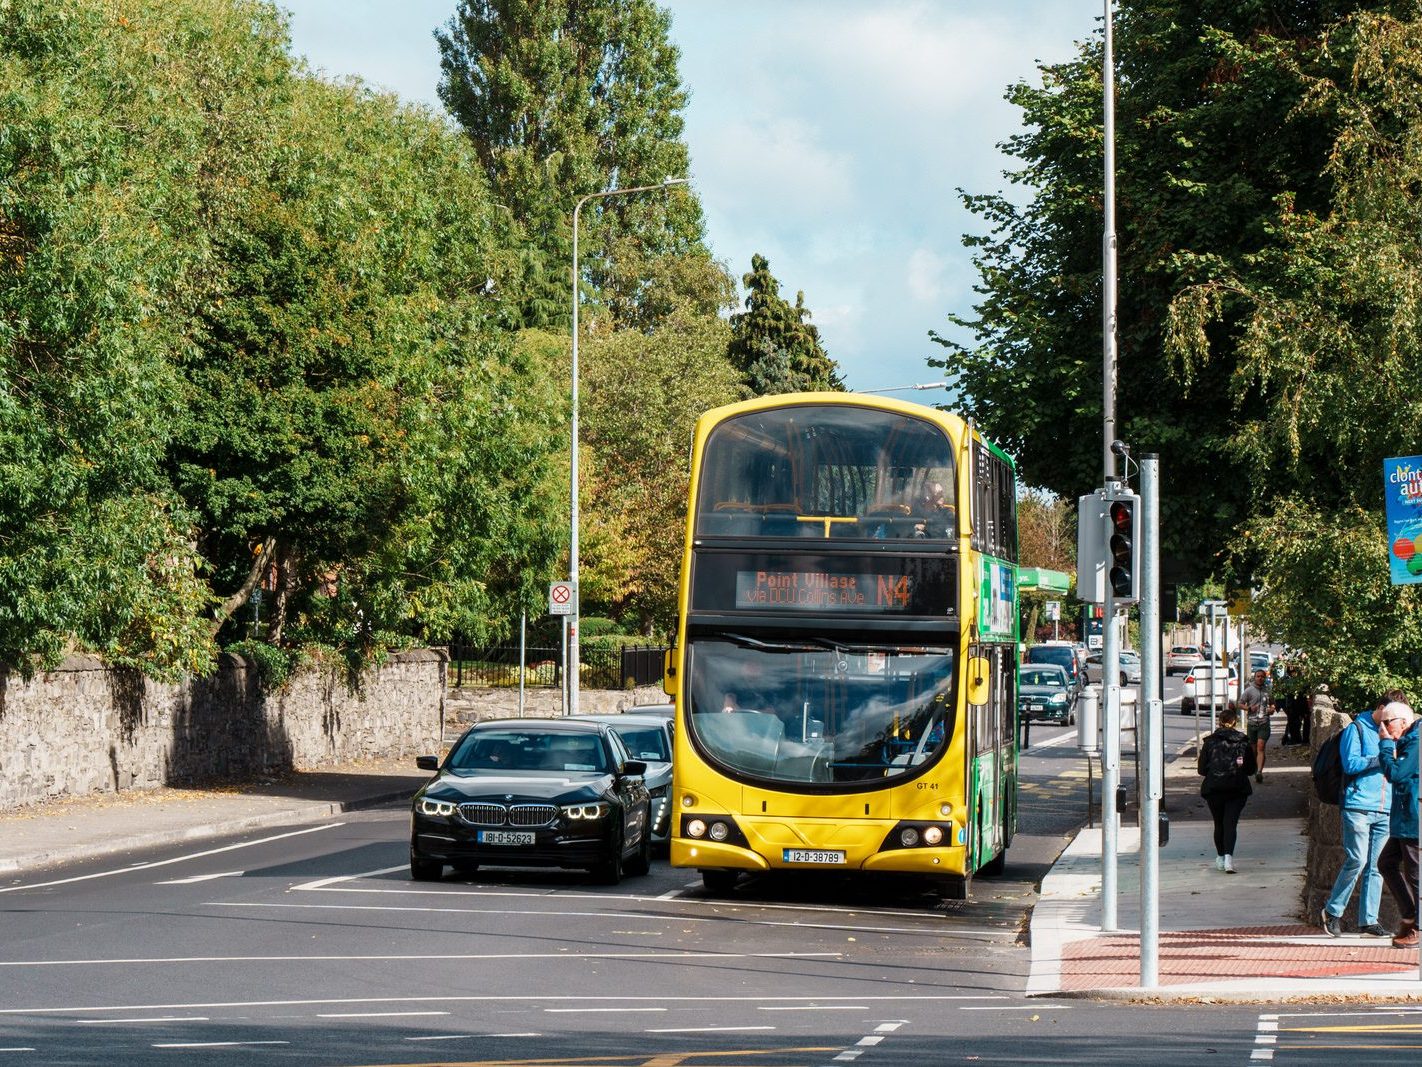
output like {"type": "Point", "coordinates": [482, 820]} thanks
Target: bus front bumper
{"type": "Point", "coordinates": [875, 850]}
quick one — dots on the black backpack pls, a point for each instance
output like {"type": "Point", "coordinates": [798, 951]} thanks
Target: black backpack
{"type": "Point", "coordinates": [1328, 776]}
{"type": "Point", "coordinates": [1222, 760]}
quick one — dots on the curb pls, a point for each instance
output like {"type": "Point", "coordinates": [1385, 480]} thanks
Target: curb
{"type": "Point", "coordinates": [309, 811]}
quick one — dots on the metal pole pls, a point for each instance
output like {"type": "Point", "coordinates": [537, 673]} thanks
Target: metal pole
{"type": "Point", "coordinates": [1153, 726]}
{"type": "Point", "coordinates": [522, 656]}
{"type": "Point", "coordinates": [572, 673]}
{"type": "Point", "coordinates": [1110, 649]}
{"type": "Point", "coordinates": [1110, 761]}
{"type": "Point", "coordinates": [565, 665]}
{"type": "Point", "coordinates": [1108, 289]}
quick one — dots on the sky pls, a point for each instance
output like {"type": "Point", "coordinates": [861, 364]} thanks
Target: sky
{"type": "Point", "coordinates": [829, 136]}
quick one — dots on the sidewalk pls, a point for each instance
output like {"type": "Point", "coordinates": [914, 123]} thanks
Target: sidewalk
{"type": "Point", "coordinates": [1223, 937]}
{"type": "Point", "coordinates": [102, 824]}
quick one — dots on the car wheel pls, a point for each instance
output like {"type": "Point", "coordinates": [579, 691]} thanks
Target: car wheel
{"type": "Point", "coordinates": [609, 872]}
{"type": "Point", "coordinates": [641, 863]}
{"type": "Point", "coordinates": [423, 870]}
{"type": "Point", "coordinates": [719, 881]}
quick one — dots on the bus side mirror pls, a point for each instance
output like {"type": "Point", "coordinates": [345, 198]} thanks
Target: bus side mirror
{"type": "Point", "coordinates": [670, 686]}
{"type": "Point", "coordinates": [979, 679]}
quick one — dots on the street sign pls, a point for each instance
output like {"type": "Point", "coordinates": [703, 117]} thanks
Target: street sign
{"type": "Point", "coordinates": [562, 598]}
{"type": "Point", "coordinates": [1054, 611]}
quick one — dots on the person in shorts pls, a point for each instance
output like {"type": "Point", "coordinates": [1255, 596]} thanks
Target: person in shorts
{"type": "Point", "coordinates": [1257, 707]}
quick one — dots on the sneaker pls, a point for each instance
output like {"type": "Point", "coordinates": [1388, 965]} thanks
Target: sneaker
{"type": "Point", "coordinates": [1374, 930]}
{"type": "Point", "coordinates": [1229, 865]}
{"type": "Point", "coordinates": [1219, 863]}
{"type": "Point", "coordinates": [1407, 940]}
{"type": "Point", "coordinates": [1331, 926]}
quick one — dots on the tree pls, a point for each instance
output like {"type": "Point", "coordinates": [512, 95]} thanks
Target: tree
{"type": "Point", "coordinates": [773, 345]}
{"type": "Point", "coordinates": [243, 341]}
{"type": "Point", "coordinates": [638, 445]}
{"type": "Point", "coordinates": [561, 98]}
{"type": "Point", "coordinates": [1211, 132]}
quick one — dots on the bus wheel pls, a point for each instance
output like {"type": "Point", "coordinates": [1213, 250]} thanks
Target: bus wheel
{"type": "Point", "coordinates": [953, 888]}
{"type": "Point", "coordinates": [719, 881]}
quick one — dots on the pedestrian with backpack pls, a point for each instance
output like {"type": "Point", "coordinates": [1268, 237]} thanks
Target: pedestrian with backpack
{"type": "Point", "coordinates": [1398, 738]}
{"type": "Point", "coordinates": [1226, 761]}
{"type": "Point", "coordinates": [1364, 799]}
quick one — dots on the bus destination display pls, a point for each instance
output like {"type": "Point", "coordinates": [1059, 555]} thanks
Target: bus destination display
{"type": "Point", "coordinates": [824, 583]}
{"type": "Point", "coordinates": [821, 591]}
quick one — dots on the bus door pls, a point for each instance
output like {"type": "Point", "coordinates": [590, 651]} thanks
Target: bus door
{"type": "Point", "coordinates": [992, 746]}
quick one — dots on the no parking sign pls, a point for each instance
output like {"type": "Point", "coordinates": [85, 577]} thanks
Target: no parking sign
{"type": "Point", "coordinates": [562, 598]}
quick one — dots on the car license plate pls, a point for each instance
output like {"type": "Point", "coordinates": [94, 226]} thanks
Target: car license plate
{"type": "Point", "coordinates": [505, 837]}
{"type": "Point", "coordinates": [812, 855]}
{"type": "Point", "coordinates": [1034, 707]}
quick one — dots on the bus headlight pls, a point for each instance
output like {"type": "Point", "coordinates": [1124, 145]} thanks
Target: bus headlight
{"type": "Point", "coordinates": [696, 828]}
{"type": "Point", "coordinates": [945, 809]}
{"type": "Point", "coordinates": [719, 831]}
{"type": "Point", "coordinates": [908, 837]}
{"type": "Point", "coordinates": [932, 835]}
{"type": "Point", "coordinates": [687, 800]}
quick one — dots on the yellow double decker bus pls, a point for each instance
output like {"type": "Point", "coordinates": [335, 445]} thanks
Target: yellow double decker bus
{"type": "Point", "coordinates": [844, 670]}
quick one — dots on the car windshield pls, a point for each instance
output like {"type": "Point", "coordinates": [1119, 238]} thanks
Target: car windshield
{"type": "Point", "coordinates": [1042, 676]}
{"type": "Point", "coordinates": [798, 712]}
{"type": "Point", "coordinates": [1062, 657]}
{"type": "Point", "coordinates": [500, 751]}
{"type": "Point", "coordinates": [644, 742]}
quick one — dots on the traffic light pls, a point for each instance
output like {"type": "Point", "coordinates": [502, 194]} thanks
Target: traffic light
{"type": "Point", "coordinates": [1123, 546]}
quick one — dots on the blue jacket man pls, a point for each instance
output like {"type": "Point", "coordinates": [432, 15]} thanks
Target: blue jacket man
{"type": "Point", "coordinates": [1398, 735]}
{"type": "Point", "coordinates": [1364, 821]}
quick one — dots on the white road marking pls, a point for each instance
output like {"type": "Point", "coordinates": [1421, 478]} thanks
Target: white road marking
{"type": "Point", "coordinates": [490, 998]}
{"type": "Point", "coordinates": [887, 1028]}
{"type": "Point", "coordinates": [19, 1048]}
{"type": "Point", "coordinates": [215, 1044]}
{"type": "Point", "coordinates": [662, 954]}
{"type": "Point", "coordinates": [373, 1014]}
{"type": "Point", "coordinates": [466, 1037]}
{"type": "Point", "coordinates": [167, 862]}
{"type": "Point", "coordinates": [850, 1054]}
{"type": "Point", "coordinates": [580, 1011]}
{"type": "Point", "coordinates": [202, 878]}
{"type": "Point", "coordinates": [324, 885]}
{"type": "Point", "coordinates": [706, 1029]}
{"type": "Point", "coordinates": [871, 1039]}
{"type": "Point", "coordinates": [817, 1007]}
{"type": "Point", "coordinates": [621, 916]}
{"type": "Point", "coordinates": [154, 1019]}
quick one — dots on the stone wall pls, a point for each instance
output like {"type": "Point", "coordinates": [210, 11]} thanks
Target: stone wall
{"type": "Point", "coordinates": [86, 728]}
{"type": "Point", "coordinates": [1325, 844]}
{"type": "Point", "coordinates": [467, 706]}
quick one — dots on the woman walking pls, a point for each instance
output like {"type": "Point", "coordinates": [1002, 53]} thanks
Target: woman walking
{"type": "Point", "coordinates": [1226, 761]}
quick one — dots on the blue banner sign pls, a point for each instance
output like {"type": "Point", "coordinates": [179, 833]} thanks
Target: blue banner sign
{"type": "Point", "coordinates": [1402, 486]}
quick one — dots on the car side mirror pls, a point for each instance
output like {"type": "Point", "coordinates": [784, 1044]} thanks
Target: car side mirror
{"type": "Point", "coordinates": [634, 768]}
{"type": "Point", "coordinates": [427, 763]}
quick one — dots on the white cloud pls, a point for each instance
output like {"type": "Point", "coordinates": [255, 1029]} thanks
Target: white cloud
{"type": "Point", "coordinates": [923, 275]}
{"type": "Point", "coordinates": [772, 160]}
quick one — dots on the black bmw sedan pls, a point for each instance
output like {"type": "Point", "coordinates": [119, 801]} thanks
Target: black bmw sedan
{"type": "Point", "coordinates": [533, 793]}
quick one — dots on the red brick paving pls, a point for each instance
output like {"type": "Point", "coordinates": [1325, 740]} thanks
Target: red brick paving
{"type": "Point", "coordinates": [1113, 960]}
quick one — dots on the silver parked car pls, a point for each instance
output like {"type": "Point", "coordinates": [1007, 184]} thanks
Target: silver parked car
{"type": "Point", "coordinates": [647, 735]}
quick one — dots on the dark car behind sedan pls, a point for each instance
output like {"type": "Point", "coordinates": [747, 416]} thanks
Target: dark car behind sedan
{"type": "Point", "coordinates": [533, 793]}
{"type": "Point", "coordinates": [1044, 694]}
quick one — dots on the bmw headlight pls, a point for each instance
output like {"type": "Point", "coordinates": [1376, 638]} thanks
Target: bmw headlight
{"type": "Point", "coordinates": [587, 812]}
{"type": "Point", "coordinates": [442, 808]}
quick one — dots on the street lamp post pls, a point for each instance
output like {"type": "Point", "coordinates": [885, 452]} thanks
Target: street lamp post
{"type": "Point", "coordinates": [906, 388]}
{"type": "Point", "coordinates": [571, 669]}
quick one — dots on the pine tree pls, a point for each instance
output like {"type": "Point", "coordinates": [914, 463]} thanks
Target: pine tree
{"type": "Point", "coordinates": [774, 345]}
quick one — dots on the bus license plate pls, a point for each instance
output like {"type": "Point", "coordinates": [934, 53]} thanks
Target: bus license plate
{"type": "Point", "coordinates": [812, 855]}
{"type": "Point", "coordinates": [505, 837]}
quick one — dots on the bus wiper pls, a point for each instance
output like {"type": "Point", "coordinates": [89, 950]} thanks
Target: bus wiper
{"type": "Point", "coordinates": [755, 642]}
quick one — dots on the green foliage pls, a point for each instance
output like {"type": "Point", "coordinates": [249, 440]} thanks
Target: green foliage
{"type": "Point", "coordinates": [1328, 594]}
{"type": "Point", "coordinates": [591, 626]}
{"type": "Point", "coordinates": [644, 393]}
{"type": "Point", "coordinates": [242, 309]}
{"type": "Point", "coordinates": [561, 98]}
{"type": "Point", "coordinates": [274, 666]}
{"type": "Point", "coordinates": [774, 346]}
{"type": "Point", "coordinates": [1210, 134]}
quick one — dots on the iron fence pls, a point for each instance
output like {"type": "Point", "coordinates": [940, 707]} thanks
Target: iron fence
{"type": "Point", "coordinates": [496, 667]}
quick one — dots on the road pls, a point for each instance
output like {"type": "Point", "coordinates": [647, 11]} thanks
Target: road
{"type": "Point", "coordinates": [311, 945]}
